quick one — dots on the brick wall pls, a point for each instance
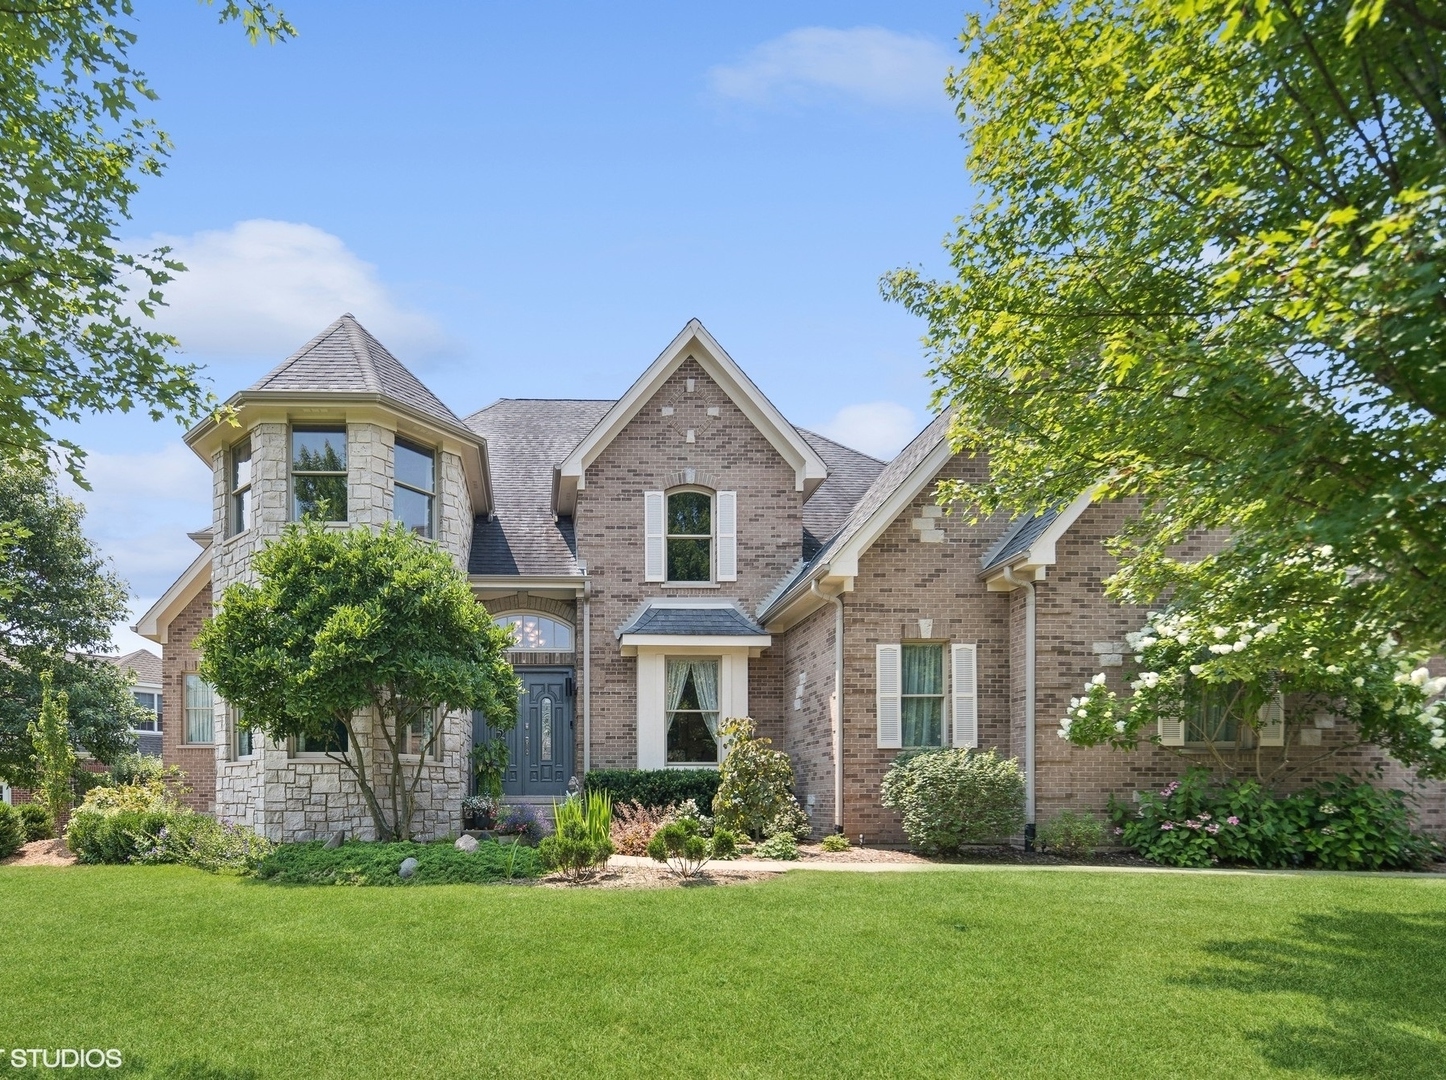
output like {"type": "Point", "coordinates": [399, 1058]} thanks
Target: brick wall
{"type": "Point", "coordinates": [648, 455]}
{"type": "Point", "coordinates": [179, 658]}
{"type": "Point", "coordinates": [807, 722]}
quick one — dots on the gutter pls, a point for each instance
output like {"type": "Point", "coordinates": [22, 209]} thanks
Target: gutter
{"type": "Point", "coordinates": [1029, 650]}
{"type": "Point", "coordinates": [837, 718]}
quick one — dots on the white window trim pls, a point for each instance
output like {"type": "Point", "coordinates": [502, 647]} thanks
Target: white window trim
{"type": "Point", "coordinates": [713, 578]}
{"type": "Point", "coordinates": [186, 711]}
{"type": "Point", "coordinates": [889, 700]}
{"type": "Point", "coordinates": [231, 492]}
{"type": "Point", "coordinates": [652, 720]}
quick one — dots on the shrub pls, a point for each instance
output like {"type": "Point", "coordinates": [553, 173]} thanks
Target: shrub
{"type": "Point", "coordinates": [39, 825]}
{"type": "Point", "coordinates": [655, 788]}
{"type": "Point", "coordinates": [145, 795]}
{"type": "Point", "coordinates": [367, 863]}
{"type": "Point", "coordinates": [118, 837]}
{"type": "Point", "coordinates": [520, 820]}
{"type": "Point", "coordinates": [581, 839]}
{"type": "Point", "coordinates": [953, 797]}
{"type": "Point", "coordinates": [1337, 825]}
{"type": "Point", "coordinates": [791, 820]}
{"type": "Point", "coordinates": [755, 781]}
{"type": "Point", "coordinates": [780, 846]}
{"type": "Point", "coordinates": [201, 841]}
{"type": "Point", "coordinates": [634, 825]}
{"type": "Point", "coordinates": [140, 769]}
{"type": "Point", "coordinates": [1075, 836]}
{"type": "Point", "coordinates": [12, 830]}
{"type": "Point", "coordinates": [835, 841]}
{"type": "Point", "coordinates": [682, 847]}
{"type": "Point", "coordinates": [724, 843]}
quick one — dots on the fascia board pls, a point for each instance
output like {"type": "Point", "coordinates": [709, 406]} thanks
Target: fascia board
{"type": "Point", "coordinates": [699, 641]}
{"type": "Point", "coordinates": [1041, 552]}
{"type": "Point", "coordinates": [152, 625]}
{"type": "Point", "coordinates": [518, 583]}
{"type": "Point", "coordinates": [846, 562]}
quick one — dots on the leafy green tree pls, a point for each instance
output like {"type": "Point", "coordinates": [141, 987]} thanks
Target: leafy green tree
{"type": "Point", "coordinates": [54, 755]}
{"type": "Point", "coordinates": [1207, 269]}
{"type": "Point", "coordinates": [368, 631]}
{"type": "Point", "coordinates": [75, 148]}
{"type": "Point", "coordinates": [58, 601]}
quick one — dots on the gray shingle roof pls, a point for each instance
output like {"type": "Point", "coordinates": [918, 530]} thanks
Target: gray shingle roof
{"type": "Point", "coordinates": [526, 439]}
{"type": "Point", "coordinates": [345, 358]}
{"type": "Point", "coordinates": [849, 475]}
{"type": "Point", "coordinates": [1018, 538]}
{"type": "Point", "coordinates": [146, 665]}
{"type": "Point", "coordinates": [693, 622]}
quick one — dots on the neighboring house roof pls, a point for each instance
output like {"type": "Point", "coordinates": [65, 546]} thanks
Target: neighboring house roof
{"type": "Point", "coordinates": [527, 438]}
{"type": "Point", "coordinates": [693, 342]}
{"type": "Point", "coordinates": [713, 620]}
{"type": "Point", "coordinates": [145, 664]}
{"type": "Point", "coordinates": [849, 475]}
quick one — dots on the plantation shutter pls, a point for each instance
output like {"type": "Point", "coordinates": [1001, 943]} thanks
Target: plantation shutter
{"type": "Point", "coordinates": [727, 536]}
{"type": "Point", "coordinates": [964, 685]}
{"type": "Point", "coordinates": [887, 667]}
{"type": "Point", "coordinates": [654, 564]}
{"type": "Point", "coordinates": [1272, 721]}
{"type": "Point", "coordinates": [1172, 731]}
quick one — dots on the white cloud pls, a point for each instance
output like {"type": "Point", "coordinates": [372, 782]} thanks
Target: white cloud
{"type": "Point", "coordinates": [877, 66]}
{"type": "Point", "coordinates": [878, 428]}
{"type": "Point", "coordinates": [264, 287]}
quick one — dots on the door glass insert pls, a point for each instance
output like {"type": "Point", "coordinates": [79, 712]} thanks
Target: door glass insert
{"type": "Point", "coordinates": [545, 735]}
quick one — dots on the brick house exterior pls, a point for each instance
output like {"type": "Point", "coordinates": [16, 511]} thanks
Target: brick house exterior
{"type": "Point", "coordinates": [671, 558]}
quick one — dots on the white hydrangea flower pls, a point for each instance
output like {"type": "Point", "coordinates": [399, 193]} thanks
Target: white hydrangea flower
{"type": "Point", "coordinates": [1438, 742]}
{"type": "Point", "coordinates": [1219, 631]}
{"type": "Point", "coordinates": [1333, 669]}
{"type": "Point", "coordinates": [1195, 669]}
{"type": "Point", "coordinates": [1420, 676]}
{"type": "Point", "coordinates": [1358, 682]}
{"type": "Point", "coordinates": [1120, 726]}
{"type": "Point", "coordinates": [1240, 645]}
{"type": "Point", "coordinates": [1098, 680]}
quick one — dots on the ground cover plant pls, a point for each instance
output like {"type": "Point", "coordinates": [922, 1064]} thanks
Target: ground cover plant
{"type": "Point", "coordinates": [982, 971]}
{"type": "Point", "coordinates": [366, 863]}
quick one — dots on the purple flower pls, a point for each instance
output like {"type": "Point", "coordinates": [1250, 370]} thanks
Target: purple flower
{"type": "Point", "coordinates": [1232, 820]}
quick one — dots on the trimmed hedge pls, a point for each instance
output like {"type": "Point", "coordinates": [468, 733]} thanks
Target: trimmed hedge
{"type": "Point", "coordinates": [115, 838]}
{"type": "Point", "coordinates": [360, 862]}
{"type": "Point", "coordinates": [656, 787]}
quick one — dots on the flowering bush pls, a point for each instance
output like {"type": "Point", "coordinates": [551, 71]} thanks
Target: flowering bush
{"type": "Point", "coordinates": [1277, 633]}
{"type": "Point", "coordinates": [1339, 825]}
{"type": "Point", "coordinates": [953, 797]}
{"type": "Point", "coordinates": [520, 820]}
{"type": "Point", "coordinates": [755, 781]}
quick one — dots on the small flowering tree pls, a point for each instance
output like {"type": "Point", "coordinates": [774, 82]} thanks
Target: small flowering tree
{"type": "Point", "coordinates": [1268, 631]}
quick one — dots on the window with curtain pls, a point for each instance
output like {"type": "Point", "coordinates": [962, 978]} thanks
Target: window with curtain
{"type": "Point", "coordinates": [1212, 712]}
{"type": "Point", "coordinates": [318, 473]}
{"type": "Point", "coordinates": [333, 742]}
{"type": "Point", "coordinates": [419, 734]}
{"type": "Point", "coordinates": [200, 711]}
{"type": "Point", "coordinates": [691, 699]}
{"type": "Point", "coordinates": [415, 469]}
{"type": "Point", "coordinates": [240, 488]}
{"type": "Point", "coordinates": [537, 632]}
{"type": "Point", "coordinates": [922, 697]}
{"type": "Point", "coordinates": [245, 738]}
{"type": "Point", "coordinates": [690, 536]}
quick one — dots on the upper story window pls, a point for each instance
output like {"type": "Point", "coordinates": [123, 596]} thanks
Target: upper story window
{"type": "Point", "coordinates": [238, 486]}
{"type": "Point", "coordinates": [538, 632]}
{"type": "Point", "coordinates": [318, 473]}
{"type": "Point", "coordinates": [151, 702]}
{"type": "Point", "coordinates": [416, 487]}
{"type": "Point", "coordinates": [690, 536]}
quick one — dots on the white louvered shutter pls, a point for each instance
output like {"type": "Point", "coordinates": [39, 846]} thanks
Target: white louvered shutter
{"type": "Point", "coordinates": [887, 677]}
{"type": "Point", "coordinates": [964, 686]}
{"type": "Point", "coordinates": [655, 565]}
{"type": "Point", "coordinates": [727, 536]}
{"type": "Point", "coordinates": [1172, 731]}
{"type": "Point", "coordinates": [1272, 721]}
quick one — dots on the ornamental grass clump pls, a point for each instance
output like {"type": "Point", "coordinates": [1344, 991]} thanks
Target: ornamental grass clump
{"type": "Point", "coordinates": [581, 839]}
{"type": "Point", "coordinates": [949, 798]}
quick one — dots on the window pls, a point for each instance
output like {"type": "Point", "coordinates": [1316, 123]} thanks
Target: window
{"type": "Point", "coordinates": [419, 733]}
{"type": "Point", "coordinates": [318, 473]}
{"type": "Point", "coordinates": [151, 702]}
{"type": "Point", "coordinates": [200, 711]}
{"type": "Point", "coordinates": [538, 632]}
{"type": "Point", "coordinates": [1212, 713]}
{"type": "Point", "coordinates": [690, 536]}
{"type": "Point", "coordinates": [416, 476]}
{"type": "Point", "coordinates": [239, 485]}
{"type": "Point", "coordinates": [333, 742]}
{"type": "Point", "coordinates": [922, 695]}
{"type": "Point", "coordinates": [692, 711]}
{"type": "Point", "coordinates": [243, 737]}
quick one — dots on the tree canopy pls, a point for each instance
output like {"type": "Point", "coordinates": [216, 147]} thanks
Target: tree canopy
{"type": "Point", "coordinates": [372, 631]}
{"type": "Point", "coordinates": [1207, 269]}
{"type": "Point", "coordinates": [75, 306]}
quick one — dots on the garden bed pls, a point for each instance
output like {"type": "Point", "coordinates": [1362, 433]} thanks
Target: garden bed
{"type": "Point", "coordinates": [41, 853]}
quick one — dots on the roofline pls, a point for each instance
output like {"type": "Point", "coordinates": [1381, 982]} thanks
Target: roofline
{"type": "Point", "coordinates": [809, 469]}
{"type": "Point", "coordinates": [154, 624]}
{"type": "Point", "coordinates": [1041, 554]}
{"type": "Point", "coordinates": [709, 641]}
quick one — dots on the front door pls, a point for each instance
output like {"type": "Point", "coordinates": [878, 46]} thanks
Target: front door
{"type": "Point", "coordinates": [539, 748]}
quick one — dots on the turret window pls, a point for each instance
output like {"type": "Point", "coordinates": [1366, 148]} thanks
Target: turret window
{"type": "Point", "coordinates": [416, 487]}
{"type": "Point", "coordinates": [318, 473]}
{"type": "Point", "coordinates": [239, 486]}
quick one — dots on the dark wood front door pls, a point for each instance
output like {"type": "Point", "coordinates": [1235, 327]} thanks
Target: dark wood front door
{"type": "Point", "coordinates": [540, 747]}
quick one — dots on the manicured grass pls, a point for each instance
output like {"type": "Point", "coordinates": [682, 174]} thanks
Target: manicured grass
{"type": "Point", "coordinates": [972, 973]}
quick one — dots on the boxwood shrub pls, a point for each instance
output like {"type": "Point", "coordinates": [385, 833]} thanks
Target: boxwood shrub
{"type": "Point", "coordinates": [360, 862]}
{"type": "Point", "coordinates": [950, 798]}
{"type": "Point", "coordinates": [656, 787]}
{"type": "Point", "coordinates": [12, 830]}
{"type": "Point", "coordinates": [39, 825]}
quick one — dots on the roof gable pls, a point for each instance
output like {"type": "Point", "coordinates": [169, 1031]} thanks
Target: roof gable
{"type": "Point", "coordinates": [693, 342]}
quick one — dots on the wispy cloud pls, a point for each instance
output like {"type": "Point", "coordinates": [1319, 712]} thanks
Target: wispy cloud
{"type": "Point", "coordinates": [878, 428]}
{"type": "Point", "coordinates": [264, 287]}
{"type": "Point", "coordinates": [867, 63]}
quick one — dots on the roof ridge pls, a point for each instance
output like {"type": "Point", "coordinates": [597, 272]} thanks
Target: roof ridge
{"type": "Point", "coordinates": [358, 335]}
{"type": "Point", "coordinates": [842, 446]}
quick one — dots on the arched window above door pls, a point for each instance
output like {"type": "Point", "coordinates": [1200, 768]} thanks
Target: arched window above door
{"type": "Point", "coordinates": [538, 632]}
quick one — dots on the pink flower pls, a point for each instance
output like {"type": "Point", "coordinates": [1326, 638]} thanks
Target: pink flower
{"type": "Point", "coordinates": [1204, 817]}
{"type": "Point", "coordinates": [1212, 828]}
{"type": "Point", "coordinates": [1167, 826]}
{"type": "Point", "coordinates": [1192, 824]}
{"type": "Point", "coordinates": [1232, 820]}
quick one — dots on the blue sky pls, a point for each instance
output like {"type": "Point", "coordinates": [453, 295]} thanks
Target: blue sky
{"type": "Point", "coordinates": [531, 200]}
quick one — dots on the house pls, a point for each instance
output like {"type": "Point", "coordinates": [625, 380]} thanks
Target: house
{"type": "Point", "coordinates": [672, 557]}
{"type": "Point", "coordinates": [144, 667]}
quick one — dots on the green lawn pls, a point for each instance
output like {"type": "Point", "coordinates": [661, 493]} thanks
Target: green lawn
{"type": "Point", "coordinates": [991, 972]}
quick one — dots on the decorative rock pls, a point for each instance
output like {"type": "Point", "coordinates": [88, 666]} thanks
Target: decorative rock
{"type": "Point", "coordinates": [466, 843]}
{"type": "Point", "coordinates": [334, 841]}
{"type": "Point", "coordinates": [407, 869]}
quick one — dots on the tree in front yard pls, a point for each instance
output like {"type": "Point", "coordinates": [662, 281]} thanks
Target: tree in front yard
{"type": "Point", "coordinates": [1207, 269]}
{"type": "Point", "coordinates": [54, 754]}
{"type": "Point", "coordinates": [58, 601]}
{"type": "Point", "coordinates": [344, 627]}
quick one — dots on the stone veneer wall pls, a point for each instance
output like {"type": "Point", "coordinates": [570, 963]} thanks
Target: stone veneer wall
{"type": "Point", "coordinates": [300, 797]}
{"type": "Point", "coordinates": [649, 454]}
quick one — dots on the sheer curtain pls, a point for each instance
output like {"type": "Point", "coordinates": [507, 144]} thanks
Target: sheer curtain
{"type": "Point", "coordinates": [923, 675]}
{"type": "Point", "coordinates": [676, 680]}
{"type": "Point", "coordinates": [705, 684]}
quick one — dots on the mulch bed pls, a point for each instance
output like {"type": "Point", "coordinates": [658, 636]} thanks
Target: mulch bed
{"type": "Point", "coordinates": [41, 853]}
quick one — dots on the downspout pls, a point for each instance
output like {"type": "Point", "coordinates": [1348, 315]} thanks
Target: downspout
{"type": "Point", "coordinates": [837, 718]}
{"type": "Point", "coordinates": [586, 679]}
{"type": "Point", "coordinates": [1028, 586]}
